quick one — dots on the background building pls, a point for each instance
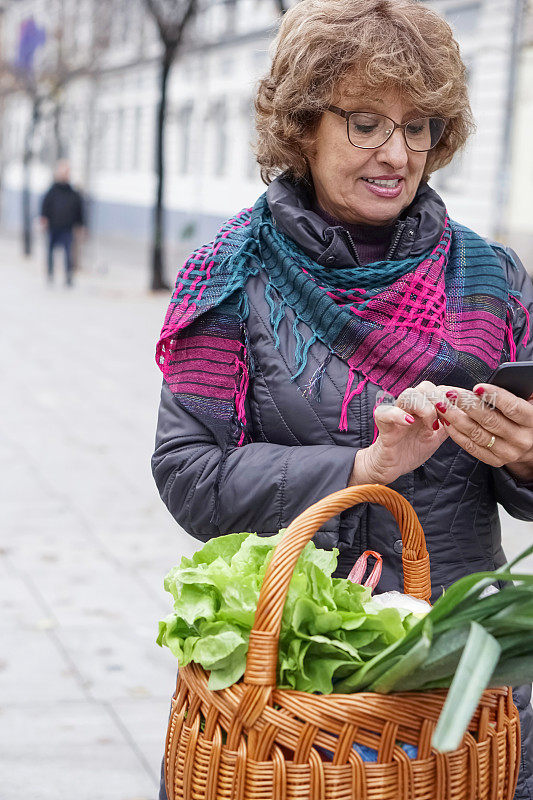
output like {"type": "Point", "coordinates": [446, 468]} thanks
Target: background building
{"type": "Point", "coordinates": [475, 185]}
{"type": "Point", "coordinates": [108, 111]}
{"type": "Point", "coordinates": [519, 212]}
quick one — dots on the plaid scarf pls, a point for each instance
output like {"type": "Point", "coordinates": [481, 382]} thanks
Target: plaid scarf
{"type": "Point", "coordinates": [394, 323]}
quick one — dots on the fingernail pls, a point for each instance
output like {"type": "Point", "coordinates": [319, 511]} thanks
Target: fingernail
{"type": "Point", "coordinates": [442, 408]}
{"type": "Point", "coordinates": [479, 391]}
{"type": "Point", "coordinates": [409, 418]}
{"type": "Point", "coordinates": [446, 422]}
{"type": "Point", "coordinates": [452, 395]}
{"type": "Point", "coordinates": [436, 425]}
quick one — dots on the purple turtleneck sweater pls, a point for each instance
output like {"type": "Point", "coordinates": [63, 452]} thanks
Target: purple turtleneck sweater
{"type": "Point", "coordinates": [371, 241]}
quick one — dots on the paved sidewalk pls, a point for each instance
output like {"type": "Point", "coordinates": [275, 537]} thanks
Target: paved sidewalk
{"type": "Point", "coordinates": [84, 690]}
{"type": "Point", "coordinates": [86, 541]}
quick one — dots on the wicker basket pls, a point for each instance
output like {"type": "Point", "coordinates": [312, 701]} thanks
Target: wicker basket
{"type": "Point", "coordinates": [257, 742]}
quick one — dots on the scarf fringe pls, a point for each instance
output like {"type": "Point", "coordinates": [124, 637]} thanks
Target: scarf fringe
{"type": "Point", "coordinates": [303, 358]}
{"type": "Point", "coordinates": [348, 396]}
{"type": "Point", "coordinates": [248, 350]}
{"type": "Point", "coordinates": [244, 367]}
{"type": "Point", "coordinates": [513, 296]}
{"type": "Point", "coordinates": [298, 355]}
{"type": "Point", "coordinates": [238, 265]}
{"type": "Point", "coordinates": [244, 306]}
{"type": "Point", "coordinates": [277, 311]}
{"type": "Point", "coordinates": [510, 338]}
{"type": "Point", "coordinates": [240, 397]}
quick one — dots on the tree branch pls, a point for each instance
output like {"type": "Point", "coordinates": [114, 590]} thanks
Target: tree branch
{"type": "Point", "coordinates": [172, 26]}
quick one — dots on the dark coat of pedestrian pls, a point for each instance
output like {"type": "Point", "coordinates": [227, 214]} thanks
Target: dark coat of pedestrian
{"type": "Point", "coordinates": [62, 210]}
{"type": "Point", "coordinates": [343, 330]}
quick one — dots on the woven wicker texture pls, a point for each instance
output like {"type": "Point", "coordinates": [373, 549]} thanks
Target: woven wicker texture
{"type": "Point", "coordinates": [252, 741]}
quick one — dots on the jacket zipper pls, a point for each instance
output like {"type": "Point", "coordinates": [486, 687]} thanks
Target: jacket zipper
{"type": "Point", "coordinates": [396, 241]}
{"type": "Point", "coordinates": [352, 245]}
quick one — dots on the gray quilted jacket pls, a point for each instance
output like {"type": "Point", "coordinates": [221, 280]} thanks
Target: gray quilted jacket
{"type": "Point", "coordinates": [297, 454]}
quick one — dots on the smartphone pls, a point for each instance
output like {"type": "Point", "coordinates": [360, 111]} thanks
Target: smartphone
{"type": "Point", "coordinates": [516, 377]}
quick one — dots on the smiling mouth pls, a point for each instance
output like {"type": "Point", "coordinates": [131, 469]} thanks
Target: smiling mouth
{"type": "Point", "coordinates": [392, 184]}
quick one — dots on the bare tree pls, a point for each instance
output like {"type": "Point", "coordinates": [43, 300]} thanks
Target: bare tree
{"type": "Point", "coordinates": [27, 156]}
{"type": "Point", "coordinates": [172, 18]}
{"type": "Point", "coordinates": [18, 76]}
{"type": "Point", "coordinates": [44, 83]}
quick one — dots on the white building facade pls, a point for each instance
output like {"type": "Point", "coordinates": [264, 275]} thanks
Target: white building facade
{"type": "Point", "coordinates": [519, 219]}
{"type": "Point", "coordinates": [109, 116]}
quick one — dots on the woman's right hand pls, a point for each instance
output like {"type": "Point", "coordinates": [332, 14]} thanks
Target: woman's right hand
{"type": "Point", "coordinates": [409, 433]}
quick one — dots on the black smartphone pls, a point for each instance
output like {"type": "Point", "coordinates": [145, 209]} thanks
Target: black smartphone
{"type": "Point", "coordinates": [516, 377]}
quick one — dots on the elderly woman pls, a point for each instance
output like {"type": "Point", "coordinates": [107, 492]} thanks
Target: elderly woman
{"type": "Point", "coordinates": [342, 330]}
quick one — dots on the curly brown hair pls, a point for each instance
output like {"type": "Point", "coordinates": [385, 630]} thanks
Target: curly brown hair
{"type": "Point", "coordinates": [398, 45]}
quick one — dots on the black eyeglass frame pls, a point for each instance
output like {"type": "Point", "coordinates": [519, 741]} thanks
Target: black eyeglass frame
{"type": "Point", "coordinates": [347, 114]}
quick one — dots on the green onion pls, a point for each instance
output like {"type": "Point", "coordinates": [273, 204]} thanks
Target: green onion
{"type": "Point", "coordinates": [476, 666]}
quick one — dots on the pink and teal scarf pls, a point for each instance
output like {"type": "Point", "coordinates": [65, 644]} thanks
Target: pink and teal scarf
{"type": "Point", "coordinates": [445, 318]}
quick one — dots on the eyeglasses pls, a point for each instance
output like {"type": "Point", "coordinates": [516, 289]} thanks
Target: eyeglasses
{"type": "Point", "coordinates": [369, 131]}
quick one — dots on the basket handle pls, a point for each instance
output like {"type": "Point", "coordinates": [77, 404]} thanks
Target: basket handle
{"type": "Point", "coordinates": [262, 659]}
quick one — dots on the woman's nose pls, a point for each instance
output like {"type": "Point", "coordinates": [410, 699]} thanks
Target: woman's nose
{"type": "Point", "coordinates": [394, 151]}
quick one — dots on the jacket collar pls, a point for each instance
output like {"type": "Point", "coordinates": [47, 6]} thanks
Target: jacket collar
{"type": "Point", "coordinates": [417, 230]}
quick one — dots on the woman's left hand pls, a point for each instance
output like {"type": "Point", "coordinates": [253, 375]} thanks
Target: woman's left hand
{"type": "Point", "coordinates": [491, 424]}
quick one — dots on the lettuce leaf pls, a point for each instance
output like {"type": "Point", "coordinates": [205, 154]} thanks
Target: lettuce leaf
{"type": "Point", "coordinates": [330, 626]}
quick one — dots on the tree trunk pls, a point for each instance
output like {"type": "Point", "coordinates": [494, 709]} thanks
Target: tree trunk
{"type": "Point", "coordinates": [27, 238]}
{"type": "Point", "coordinates": [60, 149]}
{"type": "Point", "coordinates": [158, 282]}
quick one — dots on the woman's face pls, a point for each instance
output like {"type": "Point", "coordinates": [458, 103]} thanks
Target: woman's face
{"type": "Point", "coordinates": [341, 171]}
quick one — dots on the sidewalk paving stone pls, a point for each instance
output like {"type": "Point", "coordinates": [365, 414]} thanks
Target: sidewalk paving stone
{"type": "Point", "coordinates": [119, 662]}
{"type": "Point", "coordinates": [69, 750]}
{"type": "Point", "coordinates": [33, 670]}
{"type": "Point", "coordinates": [146, 720]}
{"type": "Point", "coordinates": [19, 609]}
{"type": "Point", "coordinates": [86, 540]}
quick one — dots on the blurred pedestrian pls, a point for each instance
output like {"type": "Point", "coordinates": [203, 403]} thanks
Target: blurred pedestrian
{"type": "Point", "coordinates": [61, 211]}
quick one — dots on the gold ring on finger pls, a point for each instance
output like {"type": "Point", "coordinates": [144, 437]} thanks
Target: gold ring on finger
{"type": "Point", "coordinates": [492, 440]}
